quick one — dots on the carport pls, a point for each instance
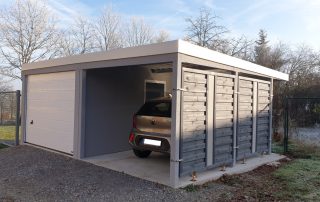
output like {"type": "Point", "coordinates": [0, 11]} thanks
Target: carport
{"type": "Point", "coordinates": [83, 106]}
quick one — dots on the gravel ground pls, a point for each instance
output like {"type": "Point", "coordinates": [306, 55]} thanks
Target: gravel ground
{"type": "Point", "coordinates": [31, 174]}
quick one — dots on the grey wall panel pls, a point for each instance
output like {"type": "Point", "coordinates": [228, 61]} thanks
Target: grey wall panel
{"type": "Point", "coordinates": [263, 117]}
{"type": "Point", "coordinates": [193, 144]}
{"type": "Point", "coordinates": [224, 125]}
{"type": "Point", "coordinates": [113, 95]}
{"type": "Point", "coordinates": [245, 119]}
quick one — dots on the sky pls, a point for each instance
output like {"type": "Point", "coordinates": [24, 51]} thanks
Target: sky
{"type": "Point", "coordinates": [290, 21]}
{"type": "Point", "coordinates": [293, 22]}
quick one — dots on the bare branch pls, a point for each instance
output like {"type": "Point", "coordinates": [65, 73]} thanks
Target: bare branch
{"type": "Point", "coordinates": [27, 33]}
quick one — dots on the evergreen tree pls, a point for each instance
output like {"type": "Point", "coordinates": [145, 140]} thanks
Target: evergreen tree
{"type": "Point", "coordinates": [262, 50]}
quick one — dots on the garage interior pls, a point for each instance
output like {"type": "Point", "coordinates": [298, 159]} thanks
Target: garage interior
{"type": "Point", "coordinates": [113, 96]}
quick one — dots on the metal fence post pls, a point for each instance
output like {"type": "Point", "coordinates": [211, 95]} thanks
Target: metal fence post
{"type": "Point", "coordinates": [286, 126]}
{"type": "Point", "coordinates": [17, 117]}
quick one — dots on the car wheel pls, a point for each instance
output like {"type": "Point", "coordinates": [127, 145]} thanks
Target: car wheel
{"type": "Point", "coordinates": [141, 153]}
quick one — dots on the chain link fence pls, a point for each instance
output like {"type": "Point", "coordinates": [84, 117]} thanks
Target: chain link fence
{"type": "Point", "coordinates": [301, 124]}
{"type": "Point", "coordinates": [10, 118]}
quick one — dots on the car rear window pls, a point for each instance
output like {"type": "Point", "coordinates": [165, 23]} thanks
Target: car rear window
{"type": "Point", "coordinates": [162, 109]}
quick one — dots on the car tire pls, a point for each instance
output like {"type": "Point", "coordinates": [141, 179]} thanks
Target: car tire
{"type": "Point", "coordinates": [141, 153]}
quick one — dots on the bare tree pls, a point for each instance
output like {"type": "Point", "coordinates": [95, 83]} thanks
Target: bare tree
{"type": "Point", "coordinates": [79, 39]}
{"type": "Point", "coordinates": [27, 33]}
{"type": "Point", "coordinates": [137, 32]}
{"type": "Point", "coordinates": [162, 36]}
{"type": "Point", "coordinates": [107, 30]}
{"type": "Point", "coordinates": [4, 86]}
{"type": "Point", "coordinates": [204, 29]}
{"type": "Point", "coordinates": [240, 47]}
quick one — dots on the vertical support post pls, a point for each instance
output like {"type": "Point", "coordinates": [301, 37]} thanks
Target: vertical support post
{"type": "Point", "coordinates": [270, 117]}
{"type": "Point", "coordinates": [79, 116]}
{"type": "Point", "coordinates": [24, 108]}
{"type": "Point", "coordinates": [286, 125]}
{"type": "Point", "coordinates": [175, 123]}
{"type": "Point", "coordinates": [254, 116]}
{"type": "Point", "coordinates": [17, 117]}
{"type": "Point", "coordinates": [235, 118]}
{"type": "Point", "coordinates": [209, 122]}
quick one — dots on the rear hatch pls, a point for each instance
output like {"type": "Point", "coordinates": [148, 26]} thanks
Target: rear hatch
{"type": "Point", "coordinates": [154, 117]}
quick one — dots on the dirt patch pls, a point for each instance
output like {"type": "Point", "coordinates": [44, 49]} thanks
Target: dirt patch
{"type": "Point", "coordinates": [256, 185]}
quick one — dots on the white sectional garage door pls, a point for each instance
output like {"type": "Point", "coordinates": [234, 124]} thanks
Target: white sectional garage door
{"type": "Point", "coordinates": [50, 110]}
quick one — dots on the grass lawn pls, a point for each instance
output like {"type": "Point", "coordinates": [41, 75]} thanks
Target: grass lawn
{"type": "Point", "coordinates": [2, 146]}
{"type": "Point", "coordinates": [302, 175]}
{"type": "Point", "coordinates": [301, 178]}
{"type": "Point", "coordinates": [7, 132]}
{"type": "Point", "coordinates": [296, 179]}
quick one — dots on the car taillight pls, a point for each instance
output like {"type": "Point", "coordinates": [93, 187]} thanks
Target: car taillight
{"type": "Point", "coordinates": [131, 137]}
{"type": "Point", "coordinates": [134, 122]}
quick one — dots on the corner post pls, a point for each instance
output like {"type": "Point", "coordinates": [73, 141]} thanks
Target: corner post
{"type": "Point", "coordinates": [270, 118]}
{"type": "Point", "coordinates": [79, 114]}
{"type": "Point", "coordinates": [235, 118]}
{"type": "Point", "coordinates": [175, 124]}
{"type": "Point", "coordinates": [17, 116]}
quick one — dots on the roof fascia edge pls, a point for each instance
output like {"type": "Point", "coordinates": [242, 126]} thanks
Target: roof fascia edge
{"type": "Point", "coordinates": [207, 54]}
{"type": "Point", "coordinates": [130, 52]}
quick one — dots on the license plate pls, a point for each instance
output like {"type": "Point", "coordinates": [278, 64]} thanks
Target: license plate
{"type": "Point", "coordinates": [152, 142]}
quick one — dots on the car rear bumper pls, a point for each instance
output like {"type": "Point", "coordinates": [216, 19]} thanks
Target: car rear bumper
{"type": "Point", "coordinates": [138, 142]}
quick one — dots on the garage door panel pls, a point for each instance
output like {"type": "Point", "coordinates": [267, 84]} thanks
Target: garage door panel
{"type": "Point", "coordinates": [63, 145]}
{"type": "Point", "coordinates": [50, 105]}
{"type": "Point", "coordinates": [54, 112]}
{"type": "Point", "coordinates": [54, 103]}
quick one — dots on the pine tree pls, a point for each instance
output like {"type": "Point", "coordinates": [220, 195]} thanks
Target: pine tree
{"type": "Point", "coordinates": [262, 50]}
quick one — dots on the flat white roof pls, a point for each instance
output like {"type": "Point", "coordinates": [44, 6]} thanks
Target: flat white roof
{"type": "Point", "coordinates": [177, 46]}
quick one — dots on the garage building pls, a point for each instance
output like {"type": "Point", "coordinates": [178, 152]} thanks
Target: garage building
{"type": "Point", "coordinates": [83, 105]}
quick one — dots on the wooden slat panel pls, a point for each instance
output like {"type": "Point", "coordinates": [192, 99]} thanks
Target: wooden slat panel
{"type": "Point", "coordinates": [188, 114]}
{"type": "Point", "coordinates": [264, 120]}
{"type": "Point", "coordinates": [244, 98]}
{"type": "Point", "coordinates": [224, 123]}
{"type": "Point", "coordinates": [225, 89]}
{"type": "Point", "coordinates": [220, 114]}
{"type": "Point", "coordinates": [194, 108]}
{"type": "Point", "coordinates": [199, 94]}
{"type": "Point", "coordinates": [262, 133]}
{"type": "Point", "coordinates": [193, 155]}
{"type": "Point", "coordinates": [224, 158]}
{"type": "Point", "coordinates": [262, 127]}
{"type": "Point", "coordinates": [187, 169]}
{"type": "Point", "coordinates": [223, 81]}
{"type": "Point", "coordinates": [224, 149]}
{"type": "Point", "coordinates": [224, 98]}
{"type": "Point", "coordinates": [220, 132]}
{"type": "Point", "coordinates": [263, 107]}
{"type": "Point", "coordinates": [194, 138]}
{"type": "Point", "coordinates": [263, 93]}
{"type": "Point", "coordinates": [194, 98]}
{"type": "Point", "coordinates": [193, 122]}
{"type": "Point", "coordinates": [245, 91]}
{"type": "Point", "coordinates": [263, 86]}
{"type": "Point", "coordinates": [194, 118]}
{"type": "Point", "coordinates": [193, 127]}
{"type": "Point", "coordinates": [193, 146]}
{"type": "Point", "coordinates": [195, 78]}
{"type": "Point", "coordinates": [189, 134]}
{"type": "Point", "coordinates": [245, 123]}
{"type": "Point", "coordinates": [245, 107]}
{"type": "Point", "coordinates": [245, 137]}
{"type": "Point", "coordinates": [224, 107]}
{"type": "Point", "coordinates": [246, 84]}
{"type": "Point", "coordinates": [195, 87]}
